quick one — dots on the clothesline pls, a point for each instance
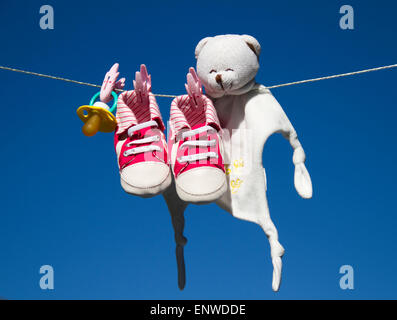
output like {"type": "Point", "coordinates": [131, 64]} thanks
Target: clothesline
{"type": "Point", "coordinates": [174, 96]}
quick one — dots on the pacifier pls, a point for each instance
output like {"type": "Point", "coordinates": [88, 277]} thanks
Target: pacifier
{"type": "Point", "coordinates": [97, 116]}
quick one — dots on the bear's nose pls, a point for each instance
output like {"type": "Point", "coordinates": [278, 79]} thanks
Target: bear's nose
{"type": "Point", "coordinates": [218, 78]}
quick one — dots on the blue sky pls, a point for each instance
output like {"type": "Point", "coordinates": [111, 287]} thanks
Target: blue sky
{"type": "Point", "coordinates": [60, 199]}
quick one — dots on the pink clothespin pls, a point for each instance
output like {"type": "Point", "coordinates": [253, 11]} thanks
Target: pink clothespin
{"type": "Point", "coordinates": [110, 83]}
{"type": "Point", "coordinates": [194, 89]}
{"type": "Point", "coordinates": [143, 84]}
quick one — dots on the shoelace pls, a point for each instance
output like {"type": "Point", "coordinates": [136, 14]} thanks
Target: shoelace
{"type": "Point", "coordinates": [142, 149]}
{"type": "Point", "coordinates": [198, 143]}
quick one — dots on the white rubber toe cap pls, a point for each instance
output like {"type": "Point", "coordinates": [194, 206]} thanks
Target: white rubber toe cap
{"type": "Point", "coordinates": [202, 184]}
{"type": "Point", "coordinates": [145, 178]}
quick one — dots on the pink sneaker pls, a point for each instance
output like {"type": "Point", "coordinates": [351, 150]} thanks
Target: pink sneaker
{"type": "Point", "coordinates": [140, 145]}
{"type": "Point", "coordinates": [196, 148]}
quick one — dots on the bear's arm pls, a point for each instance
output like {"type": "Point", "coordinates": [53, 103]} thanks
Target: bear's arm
{"type": "Point", "coordinates": [266, 116]}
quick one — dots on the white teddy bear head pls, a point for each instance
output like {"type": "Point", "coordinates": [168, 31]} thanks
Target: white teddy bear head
{"type": "Point", "coordinates": [227, 64]}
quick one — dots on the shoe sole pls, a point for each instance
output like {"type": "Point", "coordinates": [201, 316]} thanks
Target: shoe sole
{"type": "Point", "coordinates": [201, 198]}
{"type": "Point", "coordinates": [147, 192]}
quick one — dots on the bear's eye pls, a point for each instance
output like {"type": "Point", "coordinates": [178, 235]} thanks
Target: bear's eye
{"type": "Point", "coordinates": [212, 71]}
{"type": "Point", "coordinates": [229, 69]}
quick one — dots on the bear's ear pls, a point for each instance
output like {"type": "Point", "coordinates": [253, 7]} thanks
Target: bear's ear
{"type": "Point", "coordinates": [200, 46]}
{"type": "Point", "coordinates": [253, 44]}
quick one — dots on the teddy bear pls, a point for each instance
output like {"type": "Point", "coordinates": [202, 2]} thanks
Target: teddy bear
{"type": "Point", "coordinates": [249, 114]}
